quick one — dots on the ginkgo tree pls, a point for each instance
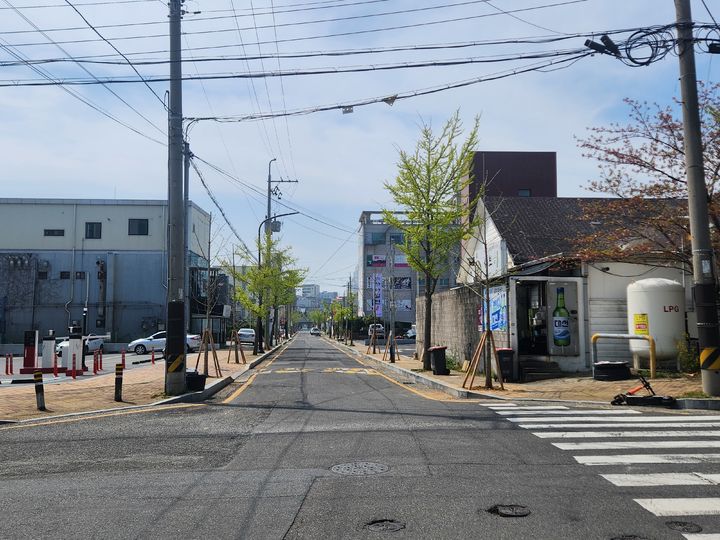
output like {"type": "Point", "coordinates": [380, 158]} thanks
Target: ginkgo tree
{"type": "Point", "coordinates": [434, 218]}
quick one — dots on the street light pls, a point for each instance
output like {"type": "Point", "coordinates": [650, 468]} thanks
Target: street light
{"type": "Point", "coordinates": [258, 348]}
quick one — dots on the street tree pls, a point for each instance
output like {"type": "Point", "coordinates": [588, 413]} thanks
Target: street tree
{"type": "Point", "coordinates": [643, 159]}
{"type": "Point", "coordinates": [435, 219]}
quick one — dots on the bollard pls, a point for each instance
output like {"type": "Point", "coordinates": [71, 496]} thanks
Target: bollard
{"type": "Point", "coordinates": [7, 365]}
{"type": "Point", "coordinates": [74, 366]}
{"type": "Point", "coordinates": [55, 370]}
{"type": "Point", "coordinates": [39, 391]}
{"type": "Point", "coordinates": [123, 358]}
{"type": "Point", "coordinates": [152, 356]}
{"type": "Point", "coordinates": [10, 357]}
{"type": "Point", "coordinates": [100, 360]}
{"type": "Point", "coordinates": [118, 381]}
{"type": "Point", "coordinates": [95, 363]}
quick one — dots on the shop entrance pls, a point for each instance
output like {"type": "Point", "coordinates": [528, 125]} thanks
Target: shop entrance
{"type": "Point", "coordinates": [532, 329]}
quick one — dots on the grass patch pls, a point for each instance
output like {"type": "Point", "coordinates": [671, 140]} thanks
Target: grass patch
{"type": "Point", "coordinates": [694, 394]}
{"type": "Point", "coordinates": [663, 374]}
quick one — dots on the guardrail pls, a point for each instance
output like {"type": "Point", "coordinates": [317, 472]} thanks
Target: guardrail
{"type": "Point", "coordinates": [649, 339]}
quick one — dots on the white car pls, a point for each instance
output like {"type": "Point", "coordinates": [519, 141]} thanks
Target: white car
{"type": "Point", "coordinates": [92, 343]}
{"type": "Point", "coordinates": [246, 335]}
{"type": "Point", "coordinates": [157, 342]}
{"type": "Point", "coordinates": [314, 331]}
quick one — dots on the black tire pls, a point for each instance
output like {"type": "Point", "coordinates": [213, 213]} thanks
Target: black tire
{"type": "Point", "coordinates": [100, 348]}
{"type": "Point", "coordinates": [140, 349]}
{"type": "Point", "coordinates": [187, 348]}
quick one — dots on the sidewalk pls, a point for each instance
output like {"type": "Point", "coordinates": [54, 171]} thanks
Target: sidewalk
{"type": "Point", "coordinates": [143, 385]}
{"type": "Point", "coordinates": [584, 389]}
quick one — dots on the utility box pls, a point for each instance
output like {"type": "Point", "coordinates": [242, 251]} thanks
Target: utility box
{"type": "Point", "coordinates": [508, 364]}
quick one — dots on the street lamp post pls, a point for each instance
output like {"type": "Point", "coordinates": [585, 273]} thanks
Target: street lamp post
{"type": "Point", "coordinates": [257, 346]}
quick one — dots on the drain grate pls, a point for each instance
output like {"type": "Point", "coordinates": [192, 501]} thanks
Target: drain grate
{"type": "Point", "coordinates": [360, 468]}
{"type": "Point", "coordinates": [509, 510]}
{"type": "Point", "coordinates": [683, 526]}
{"type": "Point", "coordinates": [385, 525]}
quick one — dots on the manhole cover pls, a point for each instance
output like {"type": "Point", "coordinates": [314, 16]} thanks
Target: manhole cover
{"type": "Point", "coordinates": [683, 526]}
{"type": "Point", "coordinates": [510, 510]}
{"type": "Point", "coordinates": [385, 525]}
{"type": "Point", "coordinates": [360, 468]}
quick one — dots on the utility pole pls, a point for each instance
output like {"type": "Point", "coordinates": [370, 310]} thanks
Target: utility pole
{"type": "Point", "coordinates": [175, 342]}
{"type": "Point", "coordinates": [209, 294]}
{"type": "Point", "coordinates": [352, 307]}
{"type": "Point", "coordinates": [702, 254]}
{"type": "Point", "coordinates": [186, 233]}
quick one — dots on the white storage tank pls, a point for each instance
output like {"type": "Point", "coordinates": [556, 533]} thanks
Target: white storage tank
{"type": "Point", "coordinates": [656, 307]}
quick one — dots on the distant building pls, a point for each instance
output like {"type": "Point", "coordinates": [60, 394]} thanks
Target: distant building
{"type": "Point", "coordinates": [59, 256]}
{"type": "Point", "coordinates": [310, 290]}
{"type": "Point", "coordinates": [385, 280]}
{"type": "Point", "coordinates": [327, 296]}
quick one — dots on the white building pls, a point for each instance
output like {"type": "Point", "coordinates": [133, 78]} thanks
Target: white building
{"type": "Point", "coordinates": [59, 256]}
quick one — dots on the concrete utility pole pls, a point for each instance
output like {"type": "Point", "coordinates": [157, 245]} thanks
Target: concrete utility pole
{"type": "Point", "coordinates": [702, 254]}
{"type": "Point", "coordinates": [175, 342]}
{"type": "Point", "coordinates": [186, 233]}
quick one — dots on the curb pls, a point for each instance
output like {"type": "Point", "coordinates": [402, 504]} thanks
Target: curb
{"type": "Point", "coordinates": [682, 403]}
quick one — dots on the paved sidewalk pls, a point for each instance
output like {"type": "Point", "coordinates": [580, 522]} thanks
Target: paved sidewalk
{"type": "Point", "coordinates": [142, 385]}
{"type": "Point", "coordinates": [566, 388]}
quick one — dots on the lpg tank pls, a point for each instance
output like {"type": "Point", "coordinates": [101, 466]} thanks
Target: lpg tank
{"type": "Point", "coordinates": [656, 307]}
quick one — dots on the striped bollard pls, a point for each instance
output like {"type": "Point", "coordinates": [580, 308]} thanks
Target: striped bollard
{"type": "Point", "coordinates": [95, 363]}
{"type": "Point", "coordinates": [39, 391]}
{"type": "Point", "coordinates": [152, 356]}
{"type": "Point", "coordinates": [118, 381]}
{"type": "Point", "coordinates": [123, 358]}
{"type": "Point", "coordinates": [55, 369]}
{"type": "Point", "coordinates": [10, 358]}
{"type": "Point", "coordinates": [7, 365]}
{"type": "Point", "coordinates": [100, 359]}
{"type": "Point", "coordinates": [74, 366]}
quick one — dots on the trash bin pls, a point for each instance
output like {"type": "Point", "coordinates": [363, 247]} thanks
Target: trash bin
{"type": "Point", "coordinates": [437, 361]}
{"type": "Point", "coordinates": [508, 365]}
{"type": "Point", "coordinates": [195, 381]}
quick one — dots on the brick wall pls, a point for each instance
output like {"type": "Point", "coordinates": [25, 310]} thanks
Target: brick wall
{"type": "Point", "coordinates": [454, 323]}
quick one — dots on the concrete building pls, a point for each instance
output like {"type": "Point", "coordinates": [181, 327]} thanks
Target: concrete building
{"type": "Point", "coordinates": [310, 290]}
{"type": "Point", "coordinates": [59, 257]}
{"type": "Point", "coordinates": [385, 280]}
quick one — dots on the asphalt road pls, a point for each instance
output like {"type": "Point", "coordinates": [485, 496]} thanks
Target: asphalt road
{"type": "Point", "coordinates": [257, 462]}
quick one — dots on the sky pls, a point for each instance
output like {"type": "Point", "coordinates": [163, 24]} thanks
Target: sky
{"type": "Point", "coordinates": [108, 141]}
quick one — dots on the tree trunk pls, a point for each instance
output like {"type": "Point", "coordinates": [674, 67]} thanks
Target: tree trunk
{"type": "Point", "coordinates": [427, 325]}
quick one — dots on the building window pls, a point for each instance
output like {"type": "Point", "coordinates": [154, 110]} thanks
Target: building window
{"type": "Point", "coordinates": [375, 238]}
{"type": "Point", "coordinates": [54, 232]}
{"type": "Point", "coordinates": [79, 275]}
{"type": "Point", "coordinates": [524, 193]}
{"type": "Point", "coordinates": [137, 227]}
{"type": "Point", "coordinates": [42, 274]}
{"type": "Point", "coordinates": [444, 282]}
{"type": "Point", "coordinates": [64, 275]}
{"type": "Point", "coordinates": [93, 229]}
{"type": "Point", "coordinates": [397, 238]}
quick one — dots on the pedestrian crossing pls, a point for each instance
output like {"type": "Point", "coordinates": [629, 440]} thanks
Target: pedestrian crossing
{"type": "Point", "coordinates": [674, 449]}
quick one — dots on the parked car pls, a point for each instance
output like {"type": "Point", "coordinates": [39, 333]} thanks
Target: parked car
{"type": "Point", "coordinates": [412, 333]}
{"type": "Point", "coordinates": [377, 329]}
{"type": "Point", "coordinates": [314, 331]}
{"type": "Point", "coordinates": [157, 342]}
{"type": "Point", "coordinates": [92, 343]}
{"type": "Point", "coordinates": [246, 335]}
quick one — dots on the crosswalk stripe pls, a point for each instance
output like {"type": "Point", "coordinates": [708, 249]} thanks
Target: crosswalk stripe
{"type": "Point", "coordinates": [635, 459]}
{"type": "Point", "coordinates": [663, 479]}
{"type": "Point", "coordinates": [509, 405]}
{"type": "Point", "coordinates": [528, 408]}
{"type": "Point", "coordinates": [622, 434]}
{"type": "Point", "coordinates": [687, 506]}
{"type": "Point", "coordinates": [606, 424]}
{"type": "Point", "coordinates": [702, 536]}
{"type": "Point", "coordinates": [629, 445]}
{"type": "Point", "coordinates": [607, 412]}
{"type": "Point", "coordinates": [615, 419]}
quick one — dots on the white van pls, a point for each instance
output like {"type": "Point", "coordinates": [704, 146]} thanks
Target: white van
{"type": "Point", "coordinates": [377, 329]}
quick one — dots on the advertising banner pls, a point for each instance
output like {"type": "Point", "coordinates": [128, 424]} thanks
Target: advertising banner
{"type": "Point", "coordinates": [401, 261]}
{"type": "Point", "coordinates": [378, 295]}
{"type": "Point", "coordinates": [402, 283]}
{"type": "Point", "coordinates": [376, 261]}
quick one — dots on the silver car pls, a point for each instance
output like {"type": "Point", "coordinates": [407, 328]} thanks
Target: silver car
{"type": "Point", "coordinates": [157, 342]}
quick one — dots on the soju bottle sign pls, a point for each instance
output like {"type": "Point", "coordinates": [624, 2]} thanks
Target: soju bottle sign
{"type": "Point", "coordinates": [561, 320]}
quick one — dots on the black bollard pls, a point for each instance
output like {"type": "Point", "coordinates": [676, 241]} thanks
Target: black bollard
{"type": "Point", "coordinates": [39, 391]}
{"type": "Point", "coordinates": [118, 381]}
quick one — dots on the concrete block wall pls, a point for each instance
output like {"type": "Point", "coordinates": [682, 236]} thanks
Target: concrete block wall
{"type": "Point", "coordinates": [454, 322]}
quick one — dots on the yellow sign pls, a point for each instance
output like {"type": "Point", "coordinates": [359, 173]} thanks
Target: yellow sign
{"type": "Point", "coordinates": [640, 323]}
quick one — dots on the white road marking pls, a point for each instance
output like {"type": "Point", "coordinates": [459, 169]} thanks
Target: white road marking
{"type": "Point", "coordinates": [528, 408]}
{"type": "Point", "coordinates": [495, 406]}
{"type": "Point", "coordinates": [622, 434]}
{"type": "Point", "coordinates": [630, 445]}
{"type": "Point", "coordinates": [635, 459]}
{"type": "Point", "coordinates": [617, 419]}
{"type": "Point", "coordinates": [702, 536]}
{"type": "Point", "coordinates": [608, 412]}
{"type": "Point", "coordinates": [687, 506]}
{"type": "Point", "coordinates": [663, 479]}
{"type": "Point", "coordinates": [606, 424]}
